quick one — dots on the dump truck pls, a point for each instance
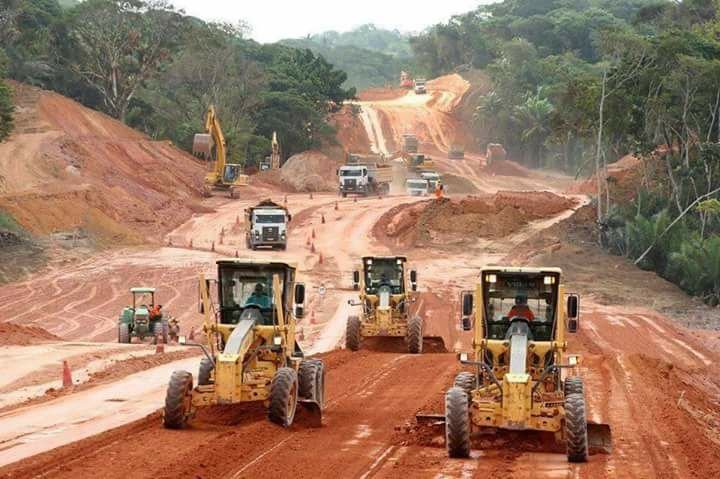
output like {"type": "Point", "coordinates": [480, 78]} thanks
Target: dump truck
{"type": "Point", "coordinates": [266, 224]}
{"type": "Point", "coordinates": [365, 175]}
{"type": "Point", "coordinates": [386, 297]}
{"type": "Point", "coordinates": [251, 354]}
{"type": "Point", "coordinates": [211, 146]}
{"type": "Point", "coordinates": [420, 86]}
{"type": "Point", "coordinates": [456, 152]}
{"type": "Point", "coordinates": [417, 187]}
{"type": "Point", "coordinates": [410, 143]}
{"type": "Point", "coordinates": [145, 319]}
{"type": "Point", "coordinates": [522, 377]}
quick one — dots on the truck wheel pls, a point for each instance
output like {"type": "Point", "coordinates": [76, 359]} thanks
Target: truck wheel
{"type": "Point", "coordinates": [311, 377]}
{"type": "Point", "coordinates": [466, 381]}
{"type": "Point", "coordinates": [574, 385]}
{"type": "Point", "coordinates": [204, 371]}
{"type": "Point", "coordinates": [283, 397]}
{"type": "Point", "coordinates": [457, 423]}
{"type": "Point", "coordinates": [123, 333]}
{"type": "Point", "coordinates": [352, 333]}
{"type": "Point", "coordinates": [178, 400]}
{"type": "Point", "coordinates": [415, 335]}
{"type": "Point", "coordinates": [576, 428]}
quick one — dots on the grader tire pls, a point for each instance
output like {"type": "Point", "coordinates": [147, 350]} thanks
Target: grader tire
{"type": "Point", "coordinates": [123, 333]}
{"type": "Point", "coordinates": [576, 435]}
{"type": "Point", "coordinates": [574, 385]}
{"type": "Point", "coordinates": [311, 377]}
{"type": "Point", "coordinates": [352, 333]}
{"type": "Point", "coordinates": [457, 423]}
{"type": "Point", "coordinates": [466, 381]}
{"type": "Point", "coordinates": [415, 335]}
{"type": "Point", "coordinates": [177, 400]}
{"type": "Point", "coordinates": [283, 397]}
{"type": "Point", "coordinates": [204, 371]}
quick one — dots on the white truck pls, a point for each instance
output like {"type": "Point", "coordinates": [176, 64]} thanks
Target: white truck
{"type": "Point", "coordinates": [365, 175]}
{"type": "Point", "coordinates": [420, 86]}
{"type": "Point", "coordinates": [432, 177]}
{"type": "Point", "coordinates": [417, 187]}
{"type": "Point", "coordinates": [266, 225]}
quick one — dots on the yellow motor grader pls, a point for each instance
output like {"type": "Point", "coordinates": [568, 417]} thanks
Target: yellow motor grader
{"type": "Point", "coordinates": [252, 353]}
{"type": "Point", "coordinates": [519, 318]}
{"type": "Point", "coordinates": [386, 301]}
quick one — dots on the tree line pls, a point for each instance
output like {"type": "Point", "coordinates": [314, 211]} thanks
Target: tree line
{"type": "Point", "coordinates": [154, 68]}
{"type": "Point", "coordinates": [579, 84]}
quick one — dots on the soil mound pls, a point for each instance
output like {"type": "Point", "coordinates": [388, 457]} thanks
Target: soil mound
{"type": "Point", "coordinates": [67, 167]}
{"type": "Point", "coordinates": [309, 171]}
{"type": "Point", "coordinates": [461, 222]}
{"type": "Point", "coordinates": [17, 335]}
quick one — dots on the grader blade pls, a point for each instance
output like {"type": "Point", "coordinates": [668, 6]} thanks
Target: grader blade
{"type": "Point", "coordinates": [313, 412]}
{"type": "Point", "coordinates": [599, 438]}
{"type": "Point", "coordinates": [202, 146]}
{"type": "Point", "coordinates": [434, 344]}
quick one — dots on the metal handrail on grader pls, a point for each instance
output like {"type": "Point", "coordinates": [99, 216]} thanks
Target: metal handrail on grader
{"type": "Point", "coordinates": [521, 373]}
{"type": "Point", "coordinates": [251, 353]}
{"type": "Point", "coordinates": [211, 146]}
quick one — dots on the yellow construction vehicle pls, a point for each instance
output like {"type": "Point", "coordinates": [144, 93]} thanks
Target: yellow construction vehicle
{"type": "Point", "coordinates": [211, 146]}
{"type": "Point", "coordinates": [386, 301]}
{"type": "Point", "coordinates": [520, 380]}
{"type": "Point", "coordinates": [252, 353]}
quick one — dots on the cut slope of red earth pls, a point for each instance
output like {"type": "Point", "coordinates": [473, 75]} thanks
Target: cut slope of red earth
{"type": "Point", "coordinates": [67, 167]}
{"type": "Point", "coordinates": [448, 221]}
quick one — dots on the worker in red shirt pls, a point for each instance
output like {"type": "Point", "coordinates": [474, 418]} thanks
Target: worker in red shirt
{"type": "Point", "coordinates": [155, 311]}
{"type": "Point", "coordinates": [521, 309]}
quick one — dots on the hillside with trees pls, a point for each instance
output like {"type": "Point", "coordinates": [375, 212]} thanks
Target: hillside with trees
{"type": "Point", "coordinates": [578, 85]}
{"type": "Point", "coordinates": [370, 56]}
{"type": "Point", "coordinates": [156, 69]}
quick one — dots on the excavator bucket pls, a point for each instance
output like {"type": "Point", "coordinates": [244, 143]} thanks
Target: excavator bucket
{"type": "Point", "coordinates": [599, 438]}
{"type": "Point", "coordinates": [202, 146]}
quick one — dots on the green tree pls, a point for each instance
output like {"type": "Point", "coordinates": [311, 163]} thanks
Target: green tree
{"type": "Point", "coordinates": [533, 117]}
{"type": "Point", "coordinates": [6, 105]}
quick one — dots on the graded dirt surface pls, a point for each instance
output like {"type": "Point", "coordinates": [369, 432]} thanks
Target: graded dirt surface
{"type": "Point", "coordinates": [647, 374]}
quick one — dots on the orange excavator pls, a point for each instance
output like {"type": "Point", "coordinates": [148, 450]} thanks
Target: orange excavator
{"type": "Point", "coordinates": [211, 146]}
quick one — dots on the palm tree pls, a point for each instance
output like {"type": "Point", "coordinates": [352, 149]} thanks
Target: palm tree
{"type": "Point", "coordinates": [533, 118]}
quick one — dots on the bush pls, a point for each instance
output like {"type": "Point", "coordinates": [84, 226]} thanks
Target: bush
{"type": "Point", "coordinates": [641, 232]}
{"type": "Point", "coordinates": [696, 268]}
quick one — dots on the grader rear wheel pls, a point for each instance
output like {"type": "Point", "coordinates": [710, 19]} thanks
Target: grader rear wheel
{"type": "Point", "coordinates": [574, 385]}
{"type": "Point", "coordinates": [283, 397]}
{"type": "Point", "coordinates": [204, 372]}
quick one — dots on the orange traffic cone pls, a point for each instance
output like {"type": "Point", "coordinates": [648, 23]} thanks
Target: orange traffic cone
{"type": "Point", "coordinates": [286, 199]}
{"type": "Point", "coordinates": [191, 336]}
{"type": "Point", "coordinates": [312, 248]}
{"type": "Point", "coordinates": [313, 233]}
{"type": "Point", "coordinates": [169, 241]}
{"type": "Point", "coordinates": [320, 260]}
{"type": "Point", "coordinates": [66, 375]}
{"type": "Point", "coordinates": [312, 317]}
{"type": "Point", "coordinates": [190, 245]}
{"type": "Point", "coordinates": [307, 242]}
{"type": "Point", "coordinates": [212, 247]}
{"type": "Point", "coordinates": [159, 345]}
{"type": "Point", "coordinates": [322, 218]}
{"type": "Point", "coordinates": [311, 196]}
{"type": "Point", "coordinates": [237, 219]}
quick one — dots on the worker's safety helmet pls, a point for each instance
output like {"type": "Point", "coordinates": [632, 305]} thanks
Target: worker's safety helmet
{"type": "Point", "coordinates": [259, 288]}
{"type": "Point", "coordinates": [521, 298]}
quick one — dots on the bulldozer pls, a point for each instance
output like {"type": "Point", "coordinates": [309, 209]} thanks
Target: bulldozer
{"type": "Point", "coordinates": [521, 376]}
{"type": "Point", "coordinates": [251, 352]}
{"type": "Point", "coordinates": [211, 146]}
{"type": "Point", "coordinates": [386, 300]}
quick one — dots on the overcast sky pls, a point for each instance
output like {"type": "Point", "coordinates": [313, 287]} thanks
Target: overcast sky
{"type": "Point", "coordinates": [273, 20]}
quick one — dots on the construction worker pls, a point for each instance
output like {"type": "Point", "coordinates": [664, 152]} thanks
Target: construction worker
{"type": "Point", "coordinates": [155, 311]}
{"type": "Point", "coordinates": [258, 297]}
{"type": "Point", "coordinates": [521, 309]}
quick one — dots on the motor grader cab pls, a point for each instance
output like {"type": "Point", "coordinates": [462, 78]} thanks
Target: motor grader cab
{"type": "Point", "coordinates": [522, 378]}
{"type": "Point", "coordinates": [211, 146]}
{"type": "Point", "coordinates": [145, 319]}
{"type": "Point", "coordinates": [386, 299]}
{"type": "Point", "coordinates": [251, 353]}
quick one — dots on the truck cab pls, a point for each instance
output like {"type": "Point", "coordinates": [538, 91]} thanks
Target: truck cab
{"type": "Point", "coordinates": [432, 178]}
{"type": "Point", "coordinates": [353, 179]}
{"type": "Point", "coordinates": [417, 187]}
{"type": "Point", "coordinates": [267, 225]}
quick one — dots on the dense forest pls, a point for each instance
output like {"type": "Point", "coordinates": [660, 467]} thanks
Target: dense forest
{"type": "Point", "coordinates": [370, 56]}
{"type": "Point", "coordinates": [578, 84]}
{"type": "Point", "coordinates": [156, 69]}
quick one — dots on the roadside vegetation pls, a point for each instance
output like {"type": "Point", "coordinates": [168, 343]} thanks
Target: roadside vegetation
{"type": "Point", "coordinates": [156, 69]}
{"type": "Point", "coordinates": [578, 85]}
